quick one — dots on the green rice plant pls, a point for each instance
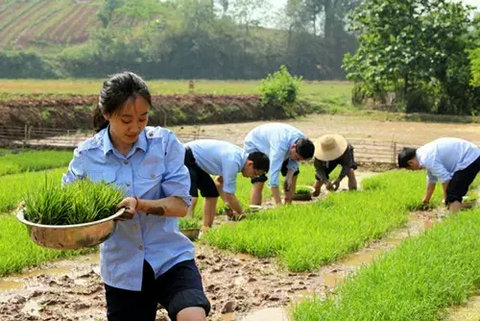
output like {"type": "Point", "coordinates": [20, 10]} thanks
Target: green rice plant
{"type": "Point", "coordinates": [82, 201]}
{"type": "Point", "coordinates": [306, 237]}
{"type": "Point", "coordinates": [186, 223]}
{"type": "Point", "coordinates": [13, 188]}
{"type": "Point", "coordinates": [33, 161]}
{"type": "Point", "coordinates": [17, 251]}
{"type": "Point", "coordinates": [416, 281]}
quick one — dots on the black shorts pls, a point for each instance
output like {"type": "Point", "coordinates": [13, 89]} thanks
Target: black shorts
{"type": "Point", "coordinates": [177, 289]}
{"type": "Point", "coordinates": [199, 179]}
{"type": "Point", "coordinates": [263, 178]}
{"type": "Point", "coordinates": [461, 180]}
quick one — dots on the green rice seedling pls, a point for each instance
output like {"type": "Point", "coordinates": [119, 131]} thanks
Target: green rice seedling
{"type": "Point", "coordinates": [80, 202]}
{"type": "Point", "coordinates": [33, 161]}
{"type": "Point", "coordinates": [186, 223]}
{"type": "Point", "coordinates": [17, 250]}
{"type": "Point", "coordinates": [306, 237]}
{"type": "Point", "coordinates": [13, 188]}
{"type": "Point", "coordinates": [416, 281]}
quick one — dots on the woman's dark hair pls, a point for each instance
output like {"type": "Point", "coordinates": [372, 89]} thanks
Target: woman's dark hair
{"type": "Point", "coordinates": [405, 155]}
{"type": "Point", "coordinates": [115, 92]}
{"type": "Point", "coordinates": [305, 148]}
{"type": "Point", "coordinates": [260, 161]}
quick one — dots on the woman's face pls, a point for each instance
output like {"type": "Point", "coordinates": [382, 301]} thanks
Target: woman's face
{"type": "Point", "coordinates": [127, 124]}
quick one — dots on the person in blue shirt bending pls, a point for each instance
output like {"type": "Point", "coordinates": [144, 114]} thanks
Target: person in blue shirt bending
{"type": "Point", "coordinates": [205, 157]}
{"type": "Point", "coordinates": [453, 161]}
{"type": "Point", "coordinates": [147, 260]}
{"type": "Point", "coordinates": [285, 146]}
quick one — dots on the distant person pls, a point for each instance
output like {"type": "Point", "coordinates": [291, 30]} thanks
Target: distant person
{"type": "Point", "coordinates": [147, 260]}
{"type": "Point", "coordinates": [205, 157]}
{"type": "Point", "coordinates": [330, 151]}
{"type": "Point", "coordinates": [453, 161]}
{"type": "Point", "coordinates": [285, 145]}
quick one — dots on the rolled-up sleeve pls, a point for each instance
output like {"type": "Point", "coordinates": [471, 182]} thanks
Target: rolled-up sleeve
{"type": "Point", "coordinates": [176, 179]}
{"type": "Point", "coordinates": [292, 165]}
{"type": "Point", "coordinates": [75, 168]}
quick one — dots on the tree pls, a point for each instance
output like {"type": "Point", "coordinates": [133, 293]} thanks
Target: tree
{"type": "Point", "coordinates": [410, 47]}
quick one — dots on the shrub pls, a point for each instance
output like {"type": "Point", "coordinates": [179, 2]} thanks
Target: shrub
{"type": "Point", "coordinates": [280, 89]}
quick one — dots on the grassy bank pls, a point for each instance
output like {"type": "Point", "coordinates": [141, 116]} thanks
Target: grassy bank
{"type": "Point", "coordinates": [417, 281]}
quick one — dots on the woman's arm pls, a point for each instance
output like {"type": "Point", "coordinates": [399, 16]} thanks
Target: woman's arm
{"type": "Point", "coordinates": [171, 206]}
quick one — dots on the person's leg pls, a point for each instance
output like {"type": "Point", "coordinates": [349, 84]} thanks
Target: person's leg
{"type": "Point", "coordinates": [289, 194]}
{"type": "Point", "coordinates": [123, 305]}
{"type": "Point", "coordinates": [209, 191]}
{"type": "Point", "coordinates": [317, 187]}
{"type": "Point", "coordinates": [191, 314]}
{"type": "Point", "coordinates": [191, 209]}
{"type": "Point", "coordinates": [192, 170]}
{"type": "Point", "coordinates": [256, 194]}
{"type": "Point", "coordinates": [257, 188]}
{"type": "Point", "coordinates": [454, 206]}
{"type": "Point", "coordinates": [209, 210]}
{"type": "Point", "coordinates": [352, 181]}
{"type": "Point", "coordinates": [459, 184]}
{"type": "Point", "coordinates": [181, 293]}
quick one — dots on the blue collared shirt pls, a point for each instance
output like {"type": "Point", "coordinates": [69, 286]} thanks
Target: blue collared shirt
{"type": "Point", "coordinates": [274, 140]}
{"type": "Point", "coordinates": [217, 157]}
{"type": "Point", "coordinates": [153, 169]}
{"type": "Point", "coordinates": [445, 156]}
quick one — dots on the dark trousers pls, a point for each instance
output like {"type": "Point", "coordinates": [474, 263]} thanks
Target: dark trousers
{"type": "Point", "coordinates": [178, 288]}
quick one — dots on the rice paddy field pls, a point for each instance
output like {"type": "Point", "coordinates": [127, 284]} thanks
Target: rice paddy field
{"type": "Point", "coordinates": [440, 266]}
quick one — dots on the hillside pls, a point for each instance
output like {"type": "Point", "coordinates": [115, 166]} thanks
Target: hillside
{"type": "Point", "coordinates": [44, 23]}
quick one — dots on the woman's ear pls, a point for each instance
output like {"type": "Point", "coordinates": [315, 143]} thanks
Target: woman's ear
{"type": "Point", "coordinates": [105, 115]}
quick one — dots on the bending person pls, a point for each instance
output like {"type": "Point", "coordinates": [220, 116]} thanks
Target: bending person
{"type": "Point", "coordinates": [146, 260]}
{"type": "Point", "coordinates": [207, 157]}
{"type": "Point", "coordinates": [285, 145]}
{"type": "Point", "coordinates": [331, 151]}
{"type": "Point", "coordinates": [453, 161]}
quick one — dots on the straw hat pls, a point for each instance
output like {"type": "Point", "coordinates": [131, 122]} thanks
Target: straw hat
{"type": "Point", "coordinates": [330, 147]}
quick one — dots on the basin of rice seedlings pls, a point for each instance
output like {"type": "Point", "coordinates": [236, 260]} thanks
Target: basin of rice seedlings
{"type": "Point", "coordinates": [190, 227]}
{"type": "Point", "coordinates": [74, 216]}
{"type": "Point", "coordinates": [303, 193]}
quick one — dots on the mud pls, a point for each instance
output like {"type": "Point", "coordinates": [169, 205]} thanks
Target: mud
{"type": "Point", "coordinates": [239, 286]}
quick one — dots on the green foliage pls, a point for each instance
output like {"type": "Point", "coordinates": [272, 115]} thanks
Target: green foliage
{"type": "Point", "coordinates": [413, 49]}
{"type": "Point", "coordinates": [280, 89]}
{"type": "Point", "coordinates": [13, 188]}
{"type": "Point", "coordinates": [475, 62]}
{"type": "Point", "coordinates": [24, 64]}
{"type": "Point", "coordinates": [82, 201]}
{"type": "Point", "coordinates": [33, 161]}
{"type": "Point", "coordinates": [185, 223]}
{"type": "Point", "coordinates": [18, 251]}
{"type": "Point", "coordinates": [416, 281]}
{"type": "Point", "coordinates": [175, 39]}
{"type": "Point", "coordinates": [303, 238]}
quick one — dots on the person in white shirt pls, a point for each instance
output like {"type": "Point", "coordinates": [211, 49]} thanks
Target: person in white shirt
{"type": "Point", "coordinates": [454, 162]}
{"type": "Point", "coordinates": [285, 146]}
{"type": "Point", "coordinates": [205, 157]}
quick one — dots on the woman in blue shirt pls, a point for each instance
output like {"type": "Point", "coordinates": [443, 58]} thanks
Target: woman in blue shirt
{"type": "Point", "coordinates": [147, 260]}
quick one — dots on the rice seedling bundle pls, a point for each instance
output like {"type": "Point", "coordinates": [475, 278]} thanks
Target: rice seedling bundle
{"type": "Point", "coordinates": [80, 202]}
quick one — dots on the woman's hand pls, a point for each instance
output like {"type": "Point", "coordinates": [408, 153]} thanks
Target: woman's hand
{"type": "Point", "coordinates": [130, 204]}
